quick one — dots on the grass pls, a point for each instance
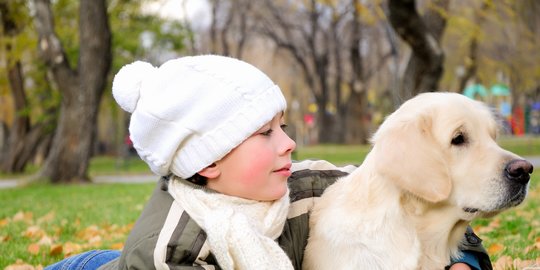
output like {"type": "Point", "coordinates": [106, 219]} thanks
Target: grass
{"type": "Point", "coordinates": [514, 233]}
{"type": "Point", "coordinates": [77, 214]}
{"type": "Point", "coordinates": [41, 223]}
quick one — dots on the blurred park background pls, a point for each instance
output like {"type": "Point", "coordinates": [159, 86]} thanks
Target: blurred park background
{"type": "Point", "coordinates": [343, 65]}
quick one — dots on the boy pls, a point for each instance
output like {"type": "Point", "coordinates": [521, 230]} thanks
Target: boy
{"type": "Point", "coordinates": [212, 127]}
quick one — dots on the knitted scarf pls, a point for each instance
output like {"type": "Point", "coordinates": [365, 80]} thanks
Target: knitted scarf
{"type": "Point", "coordinates": [240, 232]}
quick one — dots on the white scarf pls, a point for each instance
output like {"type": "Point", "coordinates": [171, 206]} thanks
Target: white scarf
{"type": "Point", "coordinates": [241, 232]}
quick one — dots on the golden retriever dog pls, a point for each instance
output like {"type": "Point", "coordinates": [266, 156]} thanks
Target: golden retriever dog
{"type": "Point", "coordinates": [434, 167]}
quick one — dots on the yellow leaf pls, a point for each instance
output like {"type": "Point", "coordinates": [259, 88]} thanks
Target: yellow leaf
{"type": "Point", "coordinates": [89, 232]}
{"type": "Point", "coordinates": [71, 248]}
{"type": "Point", "coordinates": [56, 250]}
{"type": "Point", "coordinates": [4, 238]}
{"type": "Point", "coordinates": [34, 232]}
{"type": "Point", "coordinates": [495, 248]}
{"type": "Point", "coordinates": [95, 241]}
{"type": "Point", "coordinates": [45, 241]}
{"type": "Point", "coordinates": [4, 222]}
{"type": "Point", "coordinates": [117, 246]}
{"type": "Point", "coordinates": [33, 249]}
{"type": "Point", "coordinates": [23, 216]}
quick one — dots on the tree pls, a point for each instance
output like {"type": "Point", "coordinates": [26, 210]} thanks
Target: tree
{"type": "Point", "coordinates": [425, 65]}
{"type": "Point", "coordinates": [24, 136]}
{"type": "Point", "coordinates": [323, 38]}
{"type": "Point", "coordinates": [230, 25]}
{"type": "Point", "coordinates": [81, 87]}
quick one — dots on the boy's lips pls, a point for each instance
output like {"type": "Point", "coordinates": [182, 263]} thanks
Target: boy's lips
{"type": "Point", "coordinates": [285, 170]}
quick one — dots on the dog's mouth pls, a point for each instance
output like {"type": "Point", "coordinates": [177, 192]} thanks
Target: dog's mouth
{"type": "Point", "coordinates": [470, 210]}
{"type": "Point", "coordinates": [514, 197]}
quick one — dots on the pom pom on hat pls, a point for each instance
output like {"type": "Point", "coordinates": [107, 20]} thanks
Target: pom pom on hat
{"type": "Point", "coordinates": [128, 82]}
{"type": "Point", "coordinates": [192, 111]}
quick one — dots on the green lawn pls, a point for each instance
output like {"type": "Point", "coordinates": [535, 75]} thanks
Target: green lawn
{"type": "Point", "coordinates": [66, 219]}
{"type": "Point", "coordinates": [41, 223]}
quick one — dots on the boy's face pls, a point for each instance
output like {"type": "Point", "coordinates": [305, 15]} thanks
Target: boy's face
{"type": "Point", "coordinates": [258, 168]}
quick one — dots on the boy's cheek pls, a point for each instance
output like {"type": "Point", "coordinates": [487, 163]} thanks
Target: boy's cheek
{"type": "Point", "coordinates": [255, 168]}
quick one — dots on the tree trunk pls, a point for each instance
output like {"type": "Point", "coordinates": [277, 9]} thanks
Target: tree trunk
{"type": "Point", "coordinates": [22, 139]}
{"type": "Point", "coordinates": [425, 66]}
{"type": "Point", "coordinates": [355, 108]}
{"type": "Point", "coordinates": [81, 89]}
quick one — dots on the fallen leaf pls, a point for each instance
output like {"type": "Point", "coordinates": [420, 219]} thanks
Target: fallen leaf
{"type": "Point", "coordinates": [95, 241]}
{"type": "Point", "coordinates": [33, 249]}
{"type": "Point", "coordinates": [4, 222]}
{"type": "Point", "coordinates": [495, 248]}
{"type": "Point", "coordinates": [4, 238]}
{"type": "Point", "coordinates": [45, 241]}
{"type": "Point", "coordinates": [20, 265]}
{"type": "Point", "coordinates": [56, 250]}
{"type": "Point", "coordinates": [23, 216]}
{"type": "Point", "coordinates": [34, 232]}
{"type": "Point", "coordinates": [89, 232]}
{"type": "Point", "coordinates": [70, 248]}
{"type": "Point", "coordinates": [117, 246]}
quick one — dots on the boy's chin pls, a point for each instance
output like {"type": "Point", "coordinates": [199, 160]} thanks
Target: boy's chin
{"type": "Point", "coordinates": [278, 194]}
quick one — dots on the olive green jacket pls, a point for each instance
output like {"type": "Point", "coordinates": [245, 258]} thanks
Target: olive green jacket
{"type": "Point", "coordinates": [165, 235]}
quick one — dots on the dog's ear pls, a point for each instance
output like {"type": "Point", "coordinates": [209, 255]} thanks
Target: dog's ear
{"type": "Point", "coordinates": [406, 151]}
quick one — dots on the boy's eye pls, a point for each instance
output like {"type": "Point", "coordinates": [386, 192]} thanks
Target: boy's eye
{"type": "Point", "coordinates": [283, 126]}
{"type": "Point", "coordinates": [267, 132]}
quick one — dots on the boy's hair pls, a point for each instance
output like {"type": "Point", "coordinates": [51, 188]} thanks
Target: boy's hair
{"type": "Point", "coordinates": [198, 179]}
{"type": "Point", "coordinates": [192, 111]}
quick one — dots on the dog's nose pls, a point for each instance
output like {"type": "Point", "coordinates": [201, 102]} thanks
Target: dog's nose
{"type": "Point", "coordinates": [519, 170]}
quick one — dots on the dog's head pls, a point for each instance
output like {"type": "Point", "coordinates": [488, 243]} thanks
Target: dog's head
{"type": "Point", "coordinates": [441, 147]}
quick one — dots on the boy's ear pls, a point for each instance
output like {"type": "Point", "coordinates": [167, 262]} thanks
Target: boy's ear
{"type": "Point", "coordinates": [210, 172]}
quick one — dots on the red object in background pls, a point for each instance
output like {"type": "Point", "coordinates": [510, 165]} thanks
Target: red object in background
{"type": "Point", "coordinates": [309, 119]}
{"type": "Point", "coordinates": [518, 121]}
{"type": "Point", "coordinates": [128, 141]}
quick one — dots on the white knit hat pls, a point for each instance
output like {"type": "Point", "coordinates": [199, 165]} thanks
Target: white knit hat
{"type": "Point", "coordinates": [192, 111]}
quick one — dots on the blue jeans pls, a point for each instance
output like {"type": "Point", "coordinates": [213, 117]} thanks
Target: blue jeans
{"type": "Point", "coordinates": [90, 260]}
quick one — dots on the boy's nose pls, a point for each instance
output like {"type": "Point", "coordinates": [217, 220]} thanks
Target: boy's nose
{"type": "Point", "coordinates": [290, 144]}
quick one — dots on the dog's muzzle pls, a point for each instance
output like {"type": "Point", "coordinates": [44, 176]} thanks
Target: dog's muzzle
{"type": "Point", "coordinates": [517, 174]}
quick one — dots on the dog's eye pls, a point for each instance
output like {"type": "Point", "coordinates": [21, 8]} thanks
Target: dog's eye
{"type": "Point", "coordinates": [459, 139]}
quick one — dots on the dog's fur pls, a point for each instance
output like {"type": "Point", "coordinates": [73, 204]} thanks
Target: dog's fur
{"type": "Point", "coordinates": [408, 205]}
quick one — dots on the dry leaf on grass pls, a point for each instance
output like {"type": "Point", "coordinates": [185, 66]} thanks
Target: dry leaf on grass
{"type": "Point", "coordinates": [4, 222]}
{"type": "Point", "coordinates": [33, 248]}
{"type": "Point", "coordinates": [23, 216]}
{"type": "Point", "coordinates": [46, 241]}
{"type": "Point", "coordinates": [4, 238]}
{"type": "Point", "coordinates": [34, 231]}
{"type": "Point", "coordinates": [117, 246]}
{"type": "Point", "coordinates": [70, 248]}
{"type": "Point", "coordinates": [495, 248]}
{"type": "Point", "coordinates": [56, 249]}
{"type": "Point", "coordinates": [20, 265]}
